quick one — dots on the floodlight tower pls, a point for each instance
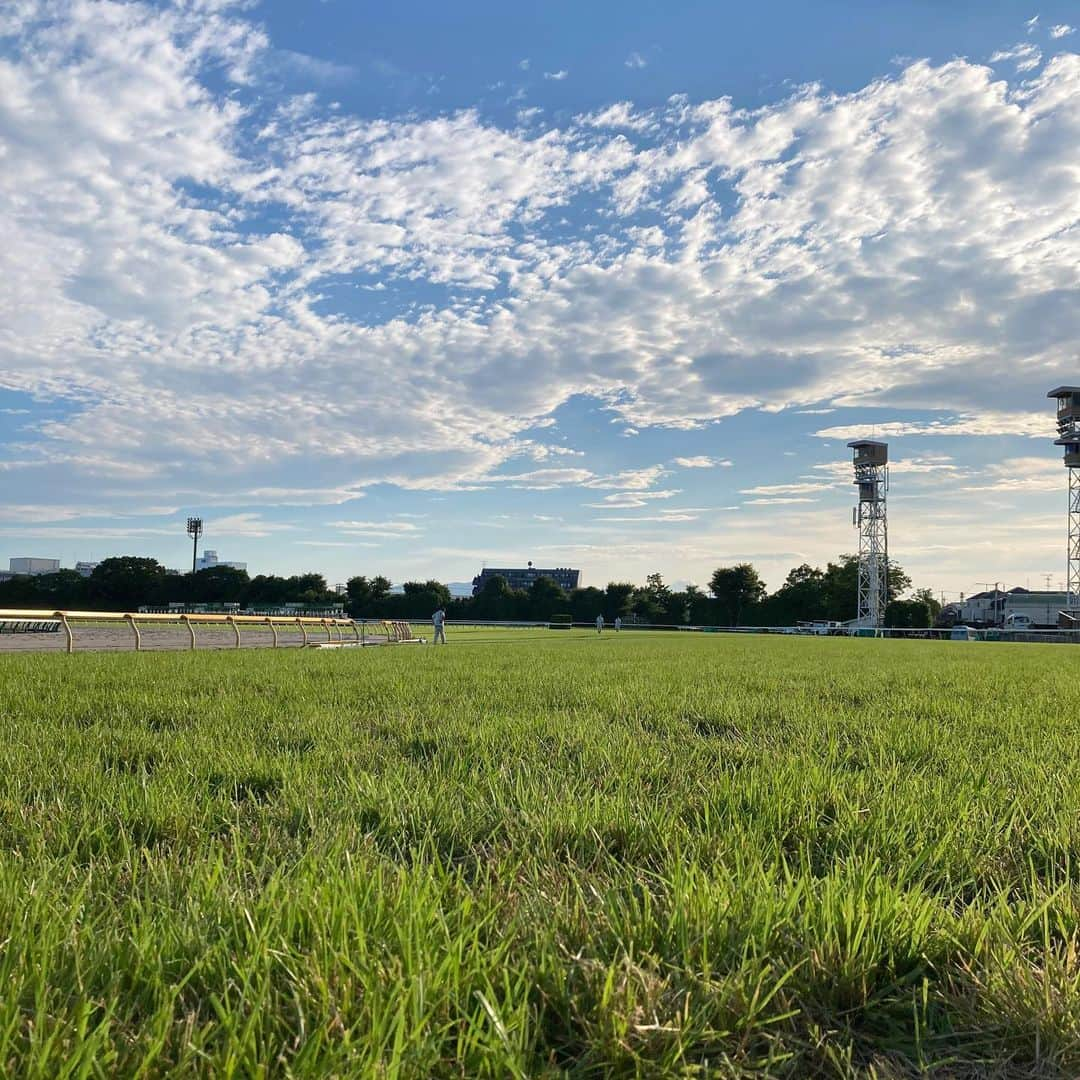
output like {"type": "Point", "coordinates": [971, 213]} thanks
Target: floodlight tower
{"type": "Point", "coordinates": [1068, 426]}
{"type": "Point", "coordinates": [194, 530]}
{"type": "Point", "coordinates": [871, 460]}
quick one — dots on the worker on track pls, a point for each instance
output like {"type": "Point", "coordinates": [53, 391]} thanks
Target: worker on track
{"type": "Point", "coordinates": [618, 623]}
{"type": "Point", "coordinates": [438, 620]}
{"type": "Point", "coordinates": [599, 624]}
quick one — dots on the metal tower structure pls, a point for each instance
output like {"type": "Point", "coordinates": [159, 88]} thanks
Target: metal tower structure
{"type": "Point", "coordinates": [1068, 427]}
{"type": "Point", "coordinates": [194, 530]}
{"type": "Point", "coordinates": [870, 517]}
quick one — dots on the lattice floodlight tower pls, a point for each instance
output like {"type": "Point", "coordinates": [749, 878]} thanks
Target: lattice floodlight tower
{"type": "Point", "coordinates": [871, 461]}
{"type": "Point", "coordinates": [1068, 426]}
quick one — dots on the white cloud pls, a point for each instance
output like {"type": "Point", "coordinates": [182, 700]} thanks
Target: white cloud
{"type": "Point", "coordinates": [778, 500]}
{"type": "Point", "coordinates": [556, 76]}
{"type": "Point", "coordinates": [176, 254]}
{"type": "Point", "coordinates": [1023, 474]}
{"type": "Point", "coordinates": [1030, 424]}
{"type": "Point", "coordinates": [636, 60]}
{"type": "Point", "coordinates": [247, 524]}
{"type": "Point", "coordinates": [799, 488]}
{"type": "Point", "coordinates": [631, 479]}
{"type": "Point", "coordinates": [654, 518]}
{"type": "Point", "coordinates": [619, 115]}
{"type": "Point", "coordinates": [546, 479]}
{"type": "Point", "coordinates": [630, 499]}
{"type": "Point", "coordinates": [325, 72]}
{"type": "Point", "coordinates": [387, 529]}
{"type": "Point", "coordinates": [1062, 30]}
{"type": "Point", "coordinates": [702, 461]}
{"type": "Point", "coordinates": [1027, 56]}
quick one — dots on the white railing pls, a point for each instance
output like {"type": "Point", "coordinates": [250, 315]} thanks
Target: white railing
{"type": "Point", "coordinates": [69, 619]}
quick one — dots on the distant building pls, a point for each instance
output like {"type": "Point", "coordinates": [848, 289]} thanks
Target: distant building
{"type": "Point", "coordinates": [993, 607]}
{"type": "Point", "coordinates": [209, 559]}
{"type": "Point", "coordinates": [85, 569]}
{"type": "Point", "coordinates": [33, 566]}
{"type": "Point", "coordinates": [523, 577]}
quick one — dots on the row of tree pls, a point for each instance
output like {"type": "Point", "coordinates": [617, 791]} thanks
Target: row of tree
{"type": "Point", "coordinates": [736, 595]}
{"type": "Point", "coordinates": [128, 582]}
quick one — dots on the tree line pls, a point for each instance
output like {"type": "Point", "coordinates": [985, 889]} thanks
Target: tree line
{"type": "Point", "coordinates": [129, 582]}
{"type": "Point", "coordinates": [735, 595]}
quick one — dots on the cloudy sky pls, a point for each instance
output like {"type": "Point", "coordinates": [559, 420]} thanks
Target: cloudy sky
{"type": "Point", "coordinates": [408, 287]}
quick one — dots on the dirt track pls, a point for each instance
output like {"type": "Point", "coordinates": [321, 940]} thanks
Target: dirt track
{"type": "Point", "coordinates": [161, 638]}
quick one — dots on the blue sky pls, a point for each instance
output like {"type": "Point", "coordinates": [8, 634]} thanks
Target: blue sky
{"type": "Point", "coordinates": [408, 288]}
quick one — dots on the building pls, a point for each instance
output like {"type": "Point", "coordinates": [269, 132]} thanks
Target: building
{"type": "Point", "coordinates": [523, 577]}
{"type": "Point", "coordinates": [33, 566]}
{"type": "Point", "coordinates": [85, 569]}
{"type": "Point", "coordinates": [209, 559]}
{"type": "Point", "coordinates": [995, 606]}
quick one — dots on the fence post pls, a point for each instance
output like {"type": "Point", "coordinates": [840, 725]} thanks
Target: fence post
{"type": "Point", "coordinates": [303, 628]}
{"type": "Point", "coordinates": [70, 647]}
{"type": "Point", "coordinates": [138, 637]}
{"type": "Point", "coordinates": [356, 630]}
{"type": "Point", "coordinates": [273, 628]}
{"type": "Point", "coordinates": [326, 627]}
{"type": "Point", "coordinates": [236, 628]}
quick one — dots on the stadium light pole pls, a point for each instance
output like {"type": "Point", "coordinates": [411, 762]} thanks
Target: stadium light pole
{"type": "Point", "coordinates": [871, 461]}
{"type": "Point", "coordinates": [194, 530]}
{"type": "Point", "coordinates": [1068, 426]}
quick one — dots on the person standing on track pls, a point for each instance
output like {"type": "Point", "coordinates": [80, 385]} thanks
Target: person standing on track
{"type": "Point", "coordinates": [618, 623]}
{"type": "Point", "coordinates": [599, 624]}
{"type": "Point", "coordinates": [438, 620]}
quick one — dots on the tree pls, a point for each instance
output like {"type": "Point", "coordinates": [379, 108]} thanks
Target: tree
{"type": "Point", "coordinates": [908, 614]}
{"type": "Point", "coordinates": [419, 599]}
{"type": "Point", "coordinates": [618, 598]}
{"type": "Point", "coordinates": [927, 597]}
{"type": "Point", "coordinates": [62, 589]}
{"type": "Point", "coordinates": [358, 601]}
{"type": "Point", "coordinates": [496, 600]}
{"type": "Point", "coordinates": [802, 597]}
{"type": "Point", "coordinates": [699, 606]}
{"type": "Point", "coordinates": [546, 598]}
{"type": "Point", "coordinates": [215, 585]}
{"type": "Point", "coordinates": [585, 604]}
{"type": "Point", "coordinates": [127, 583]}
{"type": "Point", "coordinates": [736, 588]}
{"type": "Point", "coordinates": [367, 598]}
{"type": "Point", "coordinates": [842, 582]}
{"type": "Point", "coordinates": [266, 591]}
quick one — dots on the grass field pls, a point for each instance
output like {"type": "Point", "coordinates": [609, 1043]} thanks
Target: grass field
{"type": "Point", "coordinates": [536, 853]}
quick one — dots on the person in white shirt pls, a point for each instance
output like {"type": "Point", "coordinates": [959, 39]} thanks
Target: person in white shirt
{"type": "Point", "coordinates": [618, 623]}
{"type": "Point", "coordinates": [599, 624]}
{"type": "Point", "coordinates": [438, 620]}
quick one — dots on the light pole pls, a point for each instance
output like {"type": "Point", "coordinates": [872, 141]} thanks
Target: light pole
{"type": "Point", "coordinates": [194, 530]}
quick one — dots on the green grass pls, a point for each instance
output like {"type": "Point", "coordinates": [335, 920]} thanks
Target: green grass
{"type": "Point", "coordinates": [542, 854]}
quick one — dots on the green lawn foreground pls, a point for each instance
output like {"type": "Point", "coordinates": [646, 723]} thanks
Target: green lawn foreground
{"type": "Point", "coordinates": [543, 854]}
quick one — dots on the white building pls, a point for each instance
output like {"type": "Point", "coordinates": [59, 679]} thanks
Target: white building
{"type": "Point", "coordinates": [209, 558]}
{"type": "Point", "coordinates": [33, 566]}
{"type": "Point", "coordinates": [993, 607]}
{"type": "Point", "coordinates": [85, 568]}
